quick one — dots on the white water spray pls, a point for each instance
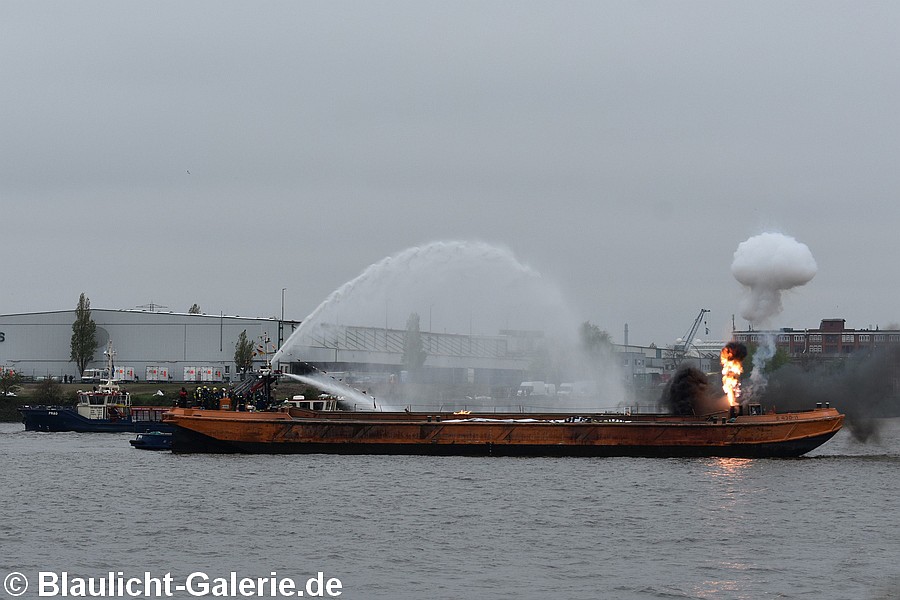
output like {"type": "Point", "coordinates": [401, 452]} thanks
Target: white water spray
{"type": "Point", "coordinates": [767, 265]}
{"type": "Point", "coordinates": [349, 397]}
{"type": "Point", "coordinates": [455, 287]}
{"type": "Point", "coordinates": [470, 287]}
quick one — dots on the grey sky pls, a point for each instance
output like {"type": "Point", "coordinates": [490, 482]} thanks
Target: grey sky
{"type": "Point", "coordinates": [217, 152]}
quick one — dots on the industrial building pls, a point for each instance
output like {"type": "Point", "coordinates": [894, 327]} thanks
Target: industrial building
{"type": "Point", "coordinates": [831, 340]}
{"type": "Point", "coordinates": [647, 366]}
{"type": "Point", "coordinates": [376, 353]}
{"type": "Point", "coordinates": [148, 346]}
{"type": "Point", "coordinates": [165, 346]}
{"type": "Point", "coordinates": [180, 347]}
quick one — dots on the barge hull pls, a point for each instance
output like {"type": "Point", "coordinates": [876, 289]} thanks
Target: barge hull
{"type": "Point", "coordinates": [186, 441]}
{"type": "Point", "coordinates": [787, 436]}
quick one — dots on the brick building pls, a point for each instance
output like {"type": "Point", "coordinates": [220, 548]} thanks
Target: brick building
{"type": "Point", "coordinates": [831, 340]}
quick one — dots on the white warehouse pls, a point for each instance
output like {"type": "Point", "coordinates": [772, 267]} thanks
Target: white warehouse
{"type": "Point", "coordinates": [154, 346]}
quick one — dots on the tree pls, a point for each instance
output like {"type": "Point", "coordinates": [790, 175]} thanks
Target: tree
{"type": "Point", "coordinates": [413, 350]}
{"type": "Point", "coordinates": [243, 352]}
{"type": "Point", "coordinates": [9, 381]}
{"type": "Point", "coordinates": [594, 340]}
{"type": "Point", "coordinates": [194, 309]}
{"type": "Point", "coordinates": [779, 359]}
{"type": "Point", "coordinates": [595, 358]}
{"type": "Point", "coordinates": [84, 332]}
{"type": "Point", "coordinates": [47, 392]}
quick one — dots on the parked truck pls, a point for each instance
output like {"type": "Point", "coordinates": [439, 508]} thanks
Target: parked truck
{"type": "Point", "coordinates": [124, 374]}
{"type": "Point", "coordinates": [94, 375]}
{"type": "Point", "coordinates": [535, 388]}
{"type": "Point", "coordinates": [157, 373]}
{"type": "Point", "coordinates": [212, 373]}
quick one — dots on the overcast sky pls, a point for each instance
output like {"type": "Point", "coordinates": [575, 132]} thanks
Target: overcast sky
{"type": "Point", "coordinates": [217, 152]}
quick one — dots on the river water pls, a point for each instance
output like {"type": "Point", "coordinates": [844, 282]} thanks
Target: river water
{"type": "Point", "coordinates": [394, 527]}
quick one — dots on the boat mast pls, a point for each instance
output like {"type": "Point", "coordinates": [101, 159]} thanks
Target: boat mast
{"type": "Point", "coordinates": [110, 353]}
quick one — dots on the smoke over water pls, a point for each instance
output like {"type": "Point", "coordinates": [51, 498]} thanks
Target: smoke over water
{"type": "Point", "coordinates": [863, 387]}
{"type": "Point", "coordinates": [691, 392]}
{"type": "Point", "coordinates": [685, 390]}
{"type": "Point", "coordinates": [768, 265]}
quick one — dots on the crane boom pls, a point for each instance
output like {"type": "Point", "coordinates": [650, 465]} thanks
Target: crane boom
{"type": "Point", "coordinates": [689, 338]}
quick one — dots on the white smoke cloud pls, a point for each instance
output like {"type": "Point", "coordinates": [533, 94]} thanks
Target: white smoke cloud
{"type": "Point", "coordinates": [767, 265]}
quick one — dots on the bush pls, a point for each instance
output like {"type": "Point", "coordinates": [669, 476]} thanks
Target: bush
{"type": "Point", "coordinates": [8, 410]}
{"type": "Point", "coordinates": [10, 381]}
{"type": "Point", "coordinates": [47, 392]}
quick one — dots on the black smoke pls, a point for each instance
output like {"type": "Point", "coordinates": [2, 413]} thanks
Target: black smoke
{"type": "Point", "coordinates": [736, 351]}
{"type": "Point", "coordinates": [687, 387]}
{"type": "Point", "coordinates": [862, 386]}
{"type": "Point", "coordinates": [692, 392]}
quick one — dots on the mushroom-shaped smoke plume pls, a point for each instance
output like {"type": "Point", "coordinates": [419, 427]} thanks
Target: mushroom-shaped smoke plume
{"type": "Point", "coordinates": [768, 264]}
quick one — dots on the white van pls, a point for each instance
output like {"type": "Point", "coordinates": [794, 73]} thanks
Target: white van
{"type": "Point", "coordinates": [94, 375]}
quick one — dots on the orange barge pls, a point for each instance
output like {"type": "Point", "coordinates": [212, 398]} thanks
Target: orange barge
{"type": "Point", "coordinates": [602, 434]}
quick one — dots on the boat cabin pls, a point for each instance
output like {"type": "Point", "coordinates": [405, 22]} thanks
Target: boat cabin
{"type": "Point", "coordinates": [106, 401]}
{"type": "Point", "coordinates": [322, 403]}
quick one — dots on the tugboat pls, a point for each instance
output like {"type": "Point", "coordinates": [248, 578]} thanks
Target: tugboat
{"type": "Point", "coordinates": [106, 408]}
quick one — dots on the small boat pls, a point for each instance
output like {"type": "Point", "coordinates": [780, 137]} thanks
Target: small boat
{"type": "Point", "coordinates": [105, 408]}
{"type": "Point", "coordinates": [153, 440]}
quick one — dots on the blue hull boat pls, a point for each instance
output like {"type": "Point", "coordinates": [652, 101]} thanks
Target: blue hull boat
{"type": "Point", "coordinates": [135, 419]}
{"type": "Point", "coordinates": [153, 440]}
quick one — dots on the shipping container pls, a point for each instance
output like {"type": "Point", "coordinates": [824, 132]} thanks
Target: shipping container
{"type": "Point", "coordinates": [211, 373]}
{"type": "Point", "coordinates": [191, 374]}
{"type": "Point", "coordinates": [157, 373]}
{"type": "Point", "coordinates": [124, 374]}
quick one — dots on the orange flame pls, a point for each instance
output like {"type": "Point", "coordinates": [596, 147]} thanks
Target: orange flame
{"type": "Point", "coordinates": [732, 368]}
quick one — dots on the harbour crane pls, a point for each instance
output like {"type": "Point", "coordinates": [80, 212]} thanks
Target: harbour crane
{"type": "Point", "coordinates": [682, 349]}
